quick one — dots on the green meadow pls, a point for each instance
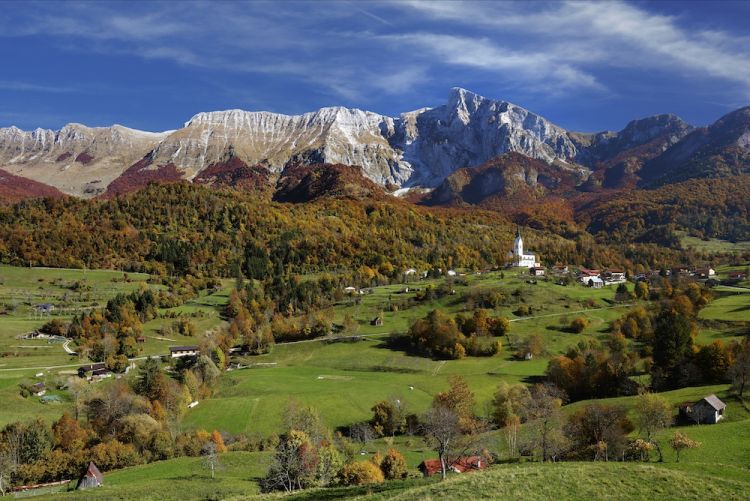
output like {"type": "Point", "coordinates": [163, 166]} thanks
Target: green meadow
{"type": "Point", "coordinates": [343, 377]}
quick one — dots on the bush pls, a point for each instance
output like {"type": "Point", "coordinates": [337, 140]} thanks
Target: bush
{"type": "Point", "coordinates": [579, 324]}
{"type": "Point", "coordinates": [360, 473]}
{"type": "Point", "coordinates": [55, 327]}
{"type": "Point", "coordinates": [393, 465]}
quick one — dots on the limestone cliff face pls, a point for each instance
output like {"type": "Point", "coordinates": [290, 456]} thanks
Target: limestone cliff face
{"type": "Point", "coordinates": [76, 159]}
{"type": "Point", "coordinates": [419, 148]}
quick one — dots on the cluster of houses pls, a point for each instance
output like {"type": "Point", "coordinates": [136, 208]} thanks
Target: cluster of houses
{"type": "Point", "coordinates": [94, 372]}
{"type": "Point", "coordinates": [599, 278]}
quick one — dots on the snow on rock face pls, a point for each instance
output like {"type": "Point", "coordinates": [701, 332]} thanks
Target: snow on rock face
{"type": "Point", "coordinates": [331, 135]}
{"type": "Point", "coordinates": [471, 129]}
{"type": "Point", "coordinates": [419, 148]}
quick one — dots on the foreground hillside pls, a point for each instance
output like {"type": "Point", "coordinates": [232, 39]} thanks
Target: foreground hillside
{"type": "Point", "coordinates": [531, 481]}
{"type": "Point", "coordinates": [577, 481]}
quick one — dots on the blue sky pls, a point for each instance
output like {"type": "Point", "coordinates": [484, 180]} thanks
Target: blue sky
{"type": "Point", "coordinates": [584, 65]}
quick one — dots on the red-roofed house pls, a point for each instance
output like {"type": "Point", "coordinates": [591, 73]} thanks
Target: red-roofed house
{"type": "Point", "coordinates": [430, 467]}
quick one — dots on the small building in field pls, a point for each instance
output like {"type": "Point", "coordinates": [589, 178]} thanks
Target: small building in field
{"type": "Point", "coordinates": [614, 275]}
{"type": "Point", "coordinates": [184, 351]}
{"type": "Point", "coordinates": [705, 272]}
{"type": "Point", "coordinates": [45, 308]}
{"type": "Point", "coordinates": [99, 374]}
{"type": "Point", "coordinates": [560, 269]}
{"type": "Point", "coordinates": [91, 478]}
{"type": "Point", "coordinates": [39, 389]}
{"type": "Point", "coordinates": [377, 321]}
{"type": "Point", "coordinates": [585, 274]}
{"type": "Point", "coordinates": [85, 370]}
{"type": "Point", "coordinates": [595, 282]}
{"type": "Point", "coordinates": [537, 271]}
{"type": "Point", "coordinates": [430, 467]}
{"type": "Point", "coordinates": [140, 339]}
{"type": "Point", "coordinates": [680, 270]}
{"type": "Point", "coordinates": [709, 410]}
{"type": "Point", "coordinates": [737, 275]}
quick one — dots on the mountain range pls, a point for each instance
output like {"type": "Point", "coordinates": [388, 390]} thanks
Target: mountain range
{"type": "Point", "coordinates": [468, 149]}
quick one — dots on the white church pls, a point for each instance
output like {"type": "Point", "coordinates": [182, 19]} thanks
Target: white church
{"type": "Point", "coordinates": [519, 258]}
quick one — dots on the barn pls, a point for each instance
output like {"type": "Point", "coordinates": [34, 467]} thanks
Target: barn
{"type": "Point", "coordinates": [430, 467]}
{"type": "Point", "coordinates": [709, 410]}
{"type": "Point", "coordinates": [92, 477]}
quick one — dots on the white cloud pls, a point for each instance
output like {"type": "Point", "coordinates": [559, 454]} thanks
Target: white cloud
{"type": "Point", "coordinates": [612, 33]}
{"type": "Point", "coordinates": [544, 70]}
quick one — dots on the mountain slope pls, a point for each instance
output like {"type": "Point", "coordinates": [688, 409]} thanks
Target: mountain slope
{"type": "Point", "coordinates": [617, 157]}
{"type": "Point", "coordinates": [77, 160]}
{"type": "Point", "coordinates": [417, 149]}
{"type": "Point", "coordinates": [508, 175]}
{"type": "Point", "coordinates": [719, 150]}
{"type": "Point", "coordinates": [14, 188]}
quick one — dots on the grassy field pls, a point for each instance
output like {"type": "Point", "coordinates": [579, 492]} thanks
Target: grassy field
{"type": "Point", "coordinates": [713, 245]}
{"type": "Point", "coordinates": [71, 292]}
{"type": "Point", "coordinates": [343, 378]}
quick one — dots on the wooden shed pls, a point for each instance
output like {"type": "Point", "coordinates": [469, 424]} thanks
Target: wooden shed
{"type": "Point", "coordinates": [92, 477]}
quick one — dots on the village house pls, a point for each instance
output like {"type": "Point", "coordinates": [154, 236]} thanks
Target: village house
{"type": "Point", "coordinates": [560, 269]}
{"type": "Point", "coordinates": [537, 271]}
{"type": "Point", "coordinates": [39, 389]}
{"type": "Point", "coordinates": [709, 410]}
{"type": "Point", "coordinates": [86, 370]}
{"type": "Point", "coordinates": [430, 467]}
{"type": "Point", "coordinates": [614, 276]}
{"type": "Point", "coordinates": [91, 478]}
{"type": "Point", "coordinates": [99, 374]}
{"type": "Point", "coordinates": [377, 321]}
{"type": "Point", "coordinates": [705, 272]}
{"type": "Point", "coordinates": [45, 308]}
{"type": "Point", "coordinates": [680, 270]}
{"type": "Point", "coordinates": [595, 282]}
{"type": "Point", "coordinates": [737, 275]}
{"type": "Point", "coordinates": [585, 274]}
{"type": "Point", "coordinates": [184, 351]}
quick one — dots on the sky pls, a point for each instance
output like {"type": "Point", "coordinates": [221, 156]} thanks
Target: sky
{"type": "Point", "coordinates": [587, 66]}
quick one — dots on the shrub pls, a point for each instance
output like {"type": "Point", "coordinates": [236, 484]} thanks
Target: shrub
{"type": "Point", "coordinates": [579, 324]}
{"type": "Point", "coordinates": [393, 465]}
{"type": "Point", "coordinates": [360, 473]}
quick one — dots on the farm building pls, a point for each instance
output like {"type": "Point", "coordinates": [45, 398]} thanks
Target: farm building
{"type": "Point", "coordinates": [560, 269]}
{"type": "Point", "coordinates": [585, 274]}
{"type": "Point", "coordinates": [45, 308]}
{"type": "Point", "coordinates": [99, 374]}
{"type": "Point", "coordinates": [92, 477]}
{"type": "Point", "coordinates": [430, 467]}
{"type": "Point", "coordinates": [183, 351]}
{"type": "Point", "coordinates": [87, 369]}
{"type": "Point", "coordinates": [595, 282]}
{"type": "Point", "coordinates": [737, 275]}
{"type": "Point", "coordinates": [705, 272]}
{"type": "Point", "coordinates": [614, 275]}
{"type": "Point", "coordinates": [537, 271]}
{"type": "Point", "coordinates": [377, 321]}
{"type": "Point", "coordinates": [709, 410]}
{"type": "Point", "coordinates": [39, 389]}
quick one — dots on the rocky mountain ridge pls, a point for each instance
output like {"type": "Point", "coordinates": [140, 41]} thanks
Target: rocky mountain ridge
{"type": "Point", "coordinates": [420, 148]}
